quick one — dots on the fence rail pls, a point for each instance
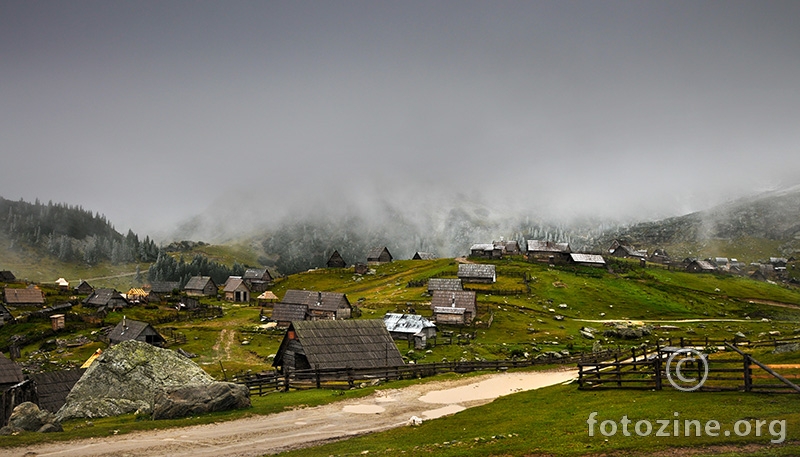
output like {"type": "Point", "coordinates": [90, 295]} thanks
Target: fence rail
{"type": "Point", "coordinates": [346, 378]}
{"type": "Point", "coordinates": [649, 371]}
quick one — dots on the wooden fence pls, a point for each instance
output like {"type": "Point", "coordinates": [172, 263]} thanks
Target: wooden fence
{"type": "Point", "coordinates": [346, 378]}
{"type": "Point", "coordinates": [736, 371]}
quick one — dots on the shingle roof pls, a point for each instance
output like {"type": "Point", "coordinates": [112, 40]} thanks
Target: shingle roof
{"type": "Point", "coordinates": [259, 274]}
{"type": "Point", "coordinates": [326, 301]}
{"type": "Point", "coordinates": [359, 343]}
{"type": "Point", "coordinates": [704, 265]}
{"type": "Point", "coordinates": [197, 283]}
{"type": "Point", "coordinates": [459, 299]}
{"type": "Point", "coordinates": [27, 296]}
{"type": "Point", "coordinates": [419, 255]}
{"type": "Point", "coordinates": [375, 254]}
{"type": "Point", "coordinates": [7, 276]}
{"type": "Point", "coordinates": [234, 283]}
{"type": "Point", "coordinates": [444, 284]}
{"type": "Point", "coordinates": [476, 270]}
{"type": "Point", "coordinates": [164, 287]}
{"type": "Point", "coordinates": [54, 386]}
{"type": "Point", "coordinates": [101, 297]}
{"type": "Point", "coordinates": [406, 323]}
{"type": "Point", "coordinates": [547, 246]}
{"type": "Point", "coordinates": [128, 329]}
{"type": "Point", "coordinates": [10, 372]}
{"type": "Point", "coordinates": [288, 312]}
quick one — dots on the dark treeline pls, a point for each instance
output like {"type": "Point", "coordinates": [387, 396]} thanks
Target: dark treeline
{"type": "Point", "coordinates": [166, 268]}
{"type": "Point", "coordinates": [71, 233]}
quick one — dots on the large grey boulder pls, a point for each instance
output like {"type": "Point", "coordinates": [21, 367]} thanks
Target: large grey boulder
{"type": "Point", "coordinates": [196, 400]}
{"type": "Point", "coordinates": [126, 378]}
{"type": "Point", "coordinates": [28, 417]}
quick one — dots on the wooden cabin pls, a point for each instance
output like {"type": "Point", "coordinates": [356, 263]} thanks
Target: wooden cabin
{"type": "Point", "coordinates": [477, 273]}
{"type": "Point", "coordinates": [257, 279]}
{"type": "Point", "coordinates": [105, 298]}
{"type": "Point", "coordinates": [360, 343]}
{"type": "Point", "coordinates": [286, 313]}
{"type": "Point", "coordinates": [321, 305]}
{"type": "Point", "coordinates": [84, 288]}
{"type": "Point", "coordinates": [700, 266]}
{"type": "Point", "coordinates": [336, 261]}
{"type": "Point", "coordinates": [454, 307]}
{"type": "Point", "coordinates": [129, 329]}
{"type": "Point", "coordinates": [236, 290]}
{"type": "Point", "coordinates": [200, 286]}
{"type": "Point", "coordinates": [379, 256]}
{"type": "Point", "coordinates": [547, 251]}
{"type": "Point", "coordinates": [485, 251]}
{"type": "Point", "coordinates": [7, 276]}
{"type": "Point", "coordinates": [30, 296]}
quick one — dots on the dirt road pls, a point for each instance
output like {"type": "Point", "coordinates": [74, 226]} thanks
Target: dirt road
{"type": "Point", "coordinates": [309, 426]}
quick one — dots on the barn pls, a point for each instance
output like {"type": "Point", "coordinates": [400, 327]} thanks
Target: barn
{"type": "Point", "coordinates": [362, 343]}
{"type": "Point", "coordinates": [379, 256]}
{"type": "Point", "coordinates": [336, 260]}
{"type": "Point", "coordinates": [129, 329]}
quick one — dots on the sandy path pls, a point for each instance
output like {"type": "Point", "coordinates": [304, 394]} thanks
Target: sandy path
{"type": "Point", "coordinates": [261, 435]}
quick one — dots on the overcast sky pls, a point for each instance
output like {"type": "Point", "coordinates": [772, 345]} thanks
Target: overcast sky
{"type": "Point", "coordinates": [153, 111]}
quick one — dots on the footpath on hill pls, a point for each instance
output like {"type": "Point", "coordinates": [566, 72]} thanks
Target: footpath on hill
{"type": "Point", "coordinates": [304, 427]}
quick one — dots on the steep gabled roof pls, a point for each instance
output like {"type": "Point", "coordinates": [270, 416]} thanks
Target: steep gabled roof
{"type": "Point", "coordinates": [7, 276]}
{"type": "Point", "coordinates": [476, 270]}
{"type": "Point", "coordinates": [354, 343]}
{"type": "Point", "coordinates": [54, 386]}
{"type": "Point", "coordinates": [257, 274]}
{"type": "Point", "coordinates": [288, 312]}
{"type": "Point", "coordinates": [548, 246]}
{"type": "Point", "coordinates": [454, 299]}
{"type": "Point", "coordinates": [10, 372]}
{"type": "Point", "coordinates": [419, 255]}
{"type": "Point", "coordinates": [375, 254]}
{"type": "Point", "coordinates": [27, 296]}
{"type": "Point", "coordinates": [444, 284]}
{"type": "Point", "coordinates": [325, 301]}
{"type": "Point", "coordinates": [129, 329]}
{"type": "Point", "coordinates": [101, 297]}
{"type": "Point", "coordinates": [198, 283]}
{"type": "Point", "coordinates": [233, 283]}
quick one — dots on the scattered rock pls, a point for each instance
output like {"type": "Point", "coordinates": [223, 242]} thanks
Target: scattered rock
{"type": "Point", "coordinates": [200, 399]}
{"type": "Point", "coordinates": [28, 417]}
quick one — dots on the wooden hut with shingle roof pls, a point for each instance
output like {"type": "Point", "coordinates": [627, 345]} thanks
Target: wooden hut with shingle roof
{"type": "Point", "coordinates": [379, 256]}
{"type": "Point", "coordinates": [52, 387]}
{"type": "Point", "coordinates": [444, 284]}
{"type": "Point", "coordinates": [477, 272]}
{"type": "Point", "coordinates": [286, 313]}
{"type": "Point", "coordinates": [129, 329]}
{"type": "Point", "coordinates": [336, 261]}
{"type": "Point", "coordinates": [362, 343]}
{"type": "Point", "coordinates": [30, 296]}
{"type": "Point", "coordinates": [200, 286]}
{"type": "Point", "coordinates": [454, 307]}
{"type": "Point", "coordinates": [10, 373]}
{"type": "Point", "coordinates": [321, 305]}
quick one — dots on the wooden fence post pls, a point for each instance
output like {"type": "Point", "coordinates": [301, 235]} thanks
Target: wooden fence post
{"type": "Point", "coordinates": [319, 384]}
{"type": "Point", "coordinates": [748, 380]}
{"type": "Point", "coordinates": [657, 365]}
{"type": "Point", "coordinates": [286, 380]}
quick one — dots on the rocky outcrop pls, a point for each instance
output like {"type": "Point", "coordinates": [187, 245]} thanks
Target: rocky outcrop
{"type": "Point", "coordinates": [127, 378]}
{"type": "Point", "coordinates": [28, 417]}
{"type": "Point", "coordinates": [196, 400]}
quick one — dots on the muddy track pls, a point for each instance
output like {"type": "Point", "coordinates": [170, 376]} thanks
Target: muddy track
{"type": "Point", "coordinates": [260, 435]}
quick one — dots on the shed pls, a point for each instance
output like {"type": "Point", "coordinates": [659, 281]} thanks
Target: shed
{"type": "Point", "coordinates": [361, 343]}
{"type": "Point", "coordinates": [444, 284]}
{"type": "Point", "coordinates": [137, 295]}
{"type": "Point", "coordinates": [7, 276]}
{"type": "Point", "coordinates": [200, 286]}
{"type": "Point", "coordinates": [5, 315]}
{"type": "Point", "coordinates": [267, 296]}
{"type": "Point", "coordinates": [236, 290]}
{"type": "Point", "coordinates": [589, 260]}
{"type": "Point", "coordinates": [11, 373]}
{"type": "Point", "coordinates": [336, 260]}
{"type": "Point", "coordinates": [486, 251]}
{"type": "Point", "coordinates": [419, 255]}
{"type": "Point", "coordinates": [405, 326]}
{"type": "Point", "coordinates": [548, 251]}
{"type": "Point", "coordinates": [84, 288]}
{"type": "Point", "coordinates": [57, 322]}
{"type": "Point", "coordinates": [52, 387]}
{"type": "Point", "coordinates": [378, 256]}
{"type": "Point", "coordinates": [109, 298]}
{"type": "Point", "coordinates": [700, 266]}
{"type": "Point", "coordinates": [627, 251]}
{"type": "Point", "coordinates": [321, 305]}
{"type": "Point", "coordinates": [30, 296]}
{"type": "Point", "coordinates": [285, 313]}
{"type": "Point", "coordinates": [477, 272]}
{"type": "Point", "coordinates": [660, 256]}
{"type": "Point", "coordinates": [454, 307]}
{"type": "Point", "coordinates": [62, 284]}
{"type": "Point", "coordinates": [129, 329]}
{"type": "Point", "coordinates": [257, 279]}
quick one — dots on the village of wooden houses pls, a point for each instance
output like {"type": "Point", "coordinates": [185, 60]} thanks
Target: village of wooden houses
{"type": "Point", "coordinates": [365, 322]}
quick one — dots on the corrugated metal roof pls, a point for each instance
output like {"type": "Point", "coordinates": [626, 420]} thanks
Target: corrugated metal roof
{"type": "Point", "coordinates": [587, 258]}
{"type": "Point", "coordinates": [406, 323]}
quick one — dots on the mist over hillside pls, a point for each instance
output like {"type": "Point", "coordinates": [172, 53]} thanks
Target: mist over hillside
{"type": "Point", "coordinates": [297, 237]}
